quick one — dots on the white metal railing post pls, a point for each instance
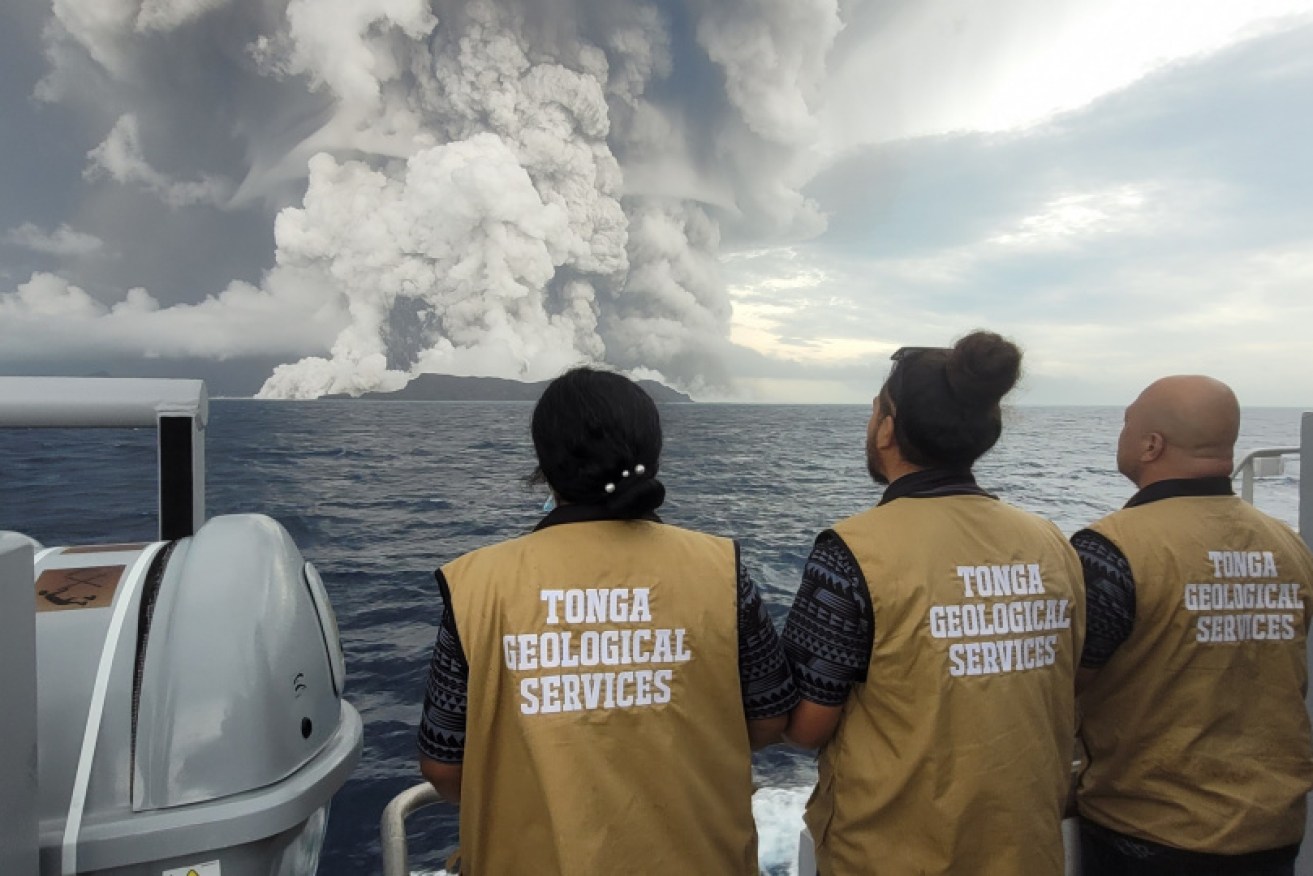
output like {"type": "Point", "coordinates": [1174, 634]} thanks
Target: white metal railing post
{"type": "Point", "coordinates": [393, 826]}
{"type": "Point", "coordinates": [806, 853]}
{"type": "Point", "coordinates": [18, 718]}
{"type": "Point", "coordinates": [1305, 481]}
{"type": "Point", "coordinates": [1304, 863]}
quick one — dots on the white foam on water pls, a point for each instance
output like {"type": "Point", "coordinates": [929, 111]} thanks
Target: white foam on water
{"type": "Point", "coordinates": [778, 812]}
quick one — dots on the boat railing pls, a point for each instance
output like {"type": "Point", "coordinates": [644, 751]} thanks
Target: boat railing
{"type": "Point", "coordinates": [1268, 462]}
{"type": "Point", "coordinates": [177, 409]}
{"type": "Point", "coordinates": [1261, 463]}
{"type": "Point", "coordinates": [393, 827]}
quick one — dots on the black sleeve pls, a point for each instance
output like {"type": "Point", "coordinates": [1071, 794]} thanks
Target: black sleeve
{"type": "Point", "coordinates": [1109, 597]}
{"type": "Point", "coordinates": [446, 701]}
{"type": "Point", "coordinates": [831, 628]}
{"type": "Point", "coordinates": [767, 683]}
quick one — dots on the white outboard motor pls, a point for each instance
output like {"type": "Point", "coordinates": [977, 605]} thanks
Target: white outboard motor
{"type": "Point", "coordinates": [190, 718]}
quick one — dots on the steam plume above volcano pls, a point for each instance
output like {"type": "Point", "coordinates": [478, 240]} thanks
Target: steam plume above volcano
{"type": "Point", "coordinates": [495, 188]}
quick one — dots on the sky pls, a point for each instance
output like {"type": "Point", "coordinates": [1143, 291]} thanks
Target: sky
{"type": "Point", "coordinates": [752, 200]}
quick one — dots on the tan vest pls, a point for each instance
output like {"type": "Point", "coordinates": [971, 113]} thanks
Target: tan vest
{"type": "Point", "coordinates": [955, 755]}
{"type": "Point", "coordinates": [1196, 729]}
{"type": "Point", "coordinates": [605, 731]}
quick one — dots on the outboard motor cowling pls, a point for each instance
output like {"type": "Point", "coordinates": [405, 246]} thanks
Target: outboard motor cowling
{"type": "Point", "coordinates": [189, 718]}
{"type": "Point", "coordinates": [190, 705]}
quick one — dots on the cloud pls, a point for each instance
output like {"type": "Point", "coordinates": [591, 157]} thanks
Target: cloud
{"type": "Point", "coordinates": [120, 157]}
{"type": "Point", "coordinates": [773, 54]}
{"type": "Point", "coordinates": [48, 319]}
{"type": "Point", "coordinates": [1163, 228]}
{"type": "Point", "coordinates": [63, 242]}
{"type": "Point", "coordinates": [167, 15]}
{"type": "Point", "coordinates": [917, 68]}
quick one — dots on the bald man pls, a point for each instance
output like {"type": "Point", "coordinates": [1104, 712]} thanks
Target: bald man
{"type": "Point", "coordinates": [1193, 672]}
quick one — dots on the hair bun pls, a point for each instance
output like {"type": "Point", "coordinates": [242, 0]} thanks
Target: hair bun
{"type": "Point", "coordinates": [982, 368]}
{"type": "Point", "coordinates": [638, 498]}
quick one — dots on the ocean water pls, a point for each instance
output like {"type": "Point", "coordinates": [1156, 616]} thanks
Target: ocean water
{"type": "Point", "coordinates": [378, 494]}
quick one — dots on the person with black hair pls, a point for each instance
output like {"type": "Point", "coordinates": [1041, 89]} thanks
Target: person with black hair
{"type": "Point", "coordinates": [934, 640]}
{"type": "Point", "coordinates": [598, 685]}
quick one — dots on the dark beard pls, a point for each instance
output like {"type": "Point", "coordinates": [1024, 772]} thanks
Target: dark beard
{"type": "Point", "coordinates": [873, 467]}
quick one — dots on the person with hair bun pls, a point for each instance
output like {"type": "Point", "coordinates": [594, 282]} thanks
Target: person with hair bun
{"type": "Point", "coordinates": [934, 641]}
{"type": "Point", "coordinates": [598, 685]}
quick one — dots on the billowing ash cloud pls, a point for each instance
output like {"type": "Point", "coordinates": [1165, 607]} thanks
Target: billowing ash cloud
{"type": "Point", "coordinates": [464, 186]}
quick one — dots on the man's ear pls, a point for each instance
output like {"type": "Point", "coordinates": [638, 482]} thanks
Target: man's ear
{"type": "Point", "coordinates": [884, 431]}
{"type": "Point", "coordinates": [1154, 445]}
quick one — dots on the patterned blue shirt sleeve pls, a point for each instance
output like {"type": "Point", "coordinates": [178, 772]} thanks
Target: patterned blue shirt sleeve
{"type": "Point", "coordinates": [831, 628]}
{"type": "Point", "coordinates": [767, 683]}
{"type": "Point", "coordinates": [446, 700]}
{"type": "Point", "coordinates": [1109, 597]}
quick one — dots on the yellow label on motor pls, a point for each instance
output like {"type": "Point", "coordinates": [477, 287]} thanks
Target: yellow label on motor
{"type": "Point", "coordinates": [209, 868]}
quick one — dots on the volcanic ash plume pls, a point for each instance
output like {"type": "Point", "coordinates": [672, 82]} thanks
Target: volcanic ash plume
{"type": "Point", "coordinates": [492, 188]}
{"type": "Point", "coordinates": [444, 267]}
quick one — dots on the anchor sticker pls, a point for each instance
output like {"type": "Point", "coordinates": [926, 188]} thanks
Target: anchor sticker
{"type": "Point", "coordinates": [85, 587]}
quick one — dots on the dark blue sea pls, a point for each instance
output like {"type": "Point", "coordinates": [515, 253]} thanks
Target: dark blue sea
{"type": "Point", "coordinates": [378, 494]}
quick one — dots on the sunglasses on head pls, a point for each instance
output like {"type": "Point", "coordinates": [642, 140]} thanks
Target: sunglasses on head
{"type": "Point", "coordinates": [903, 352]}
{"type": "Point", "coordinates": [894, 382]}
